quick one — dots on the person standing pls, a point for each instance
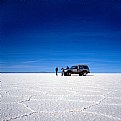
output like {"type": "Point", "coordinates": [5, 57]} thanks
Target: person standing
{"type": "Point", "coordinates": [62, 71]}
{"type": "Point", "coordinates": [67, 67]}
{"type": "Point", "coordinates": [56, 71]}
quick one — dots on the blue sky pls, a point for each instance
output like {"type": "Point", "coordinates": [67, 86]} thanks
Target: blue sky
{"type": "Point", "coordinates": [38, 35]}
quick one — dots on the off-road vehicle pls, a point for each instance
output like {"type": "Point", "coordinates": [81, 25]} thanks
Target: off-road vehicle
{"type": "Point", "coordinates": [82, 70]}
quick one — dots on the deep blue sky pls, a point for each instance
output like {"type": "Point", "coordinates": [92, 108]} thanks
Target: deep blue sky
{"type": "Point", "coordinates": [38, 35]}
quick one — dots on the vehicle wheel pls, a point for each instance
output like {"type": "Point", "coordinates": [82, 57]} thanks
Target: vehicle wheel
{"type": "Point", "coordinates": [69, 74]}
{"type": "Point", "coordinates": [65, 74]}
{"type": "Point", "coordinates": [84, 73]}
{"type": "Point", "coordinates": [80, 74]}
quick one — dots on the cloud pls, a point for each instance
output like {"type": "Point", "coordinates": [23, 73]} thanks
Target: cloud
{"type": "Point", "coordinates": [30, 61]}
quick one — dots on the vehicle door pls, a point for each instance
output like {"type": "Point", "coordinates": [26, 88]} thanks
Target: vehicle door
{"type": "Point", "coordinates": [80, 68]}
{"type": "Point", "coordinates": [75, 69]}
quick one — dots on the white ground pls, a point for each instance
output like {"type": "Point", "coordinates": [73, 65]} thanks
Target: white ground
{"type": "Point", "coordinates": [46, 97]}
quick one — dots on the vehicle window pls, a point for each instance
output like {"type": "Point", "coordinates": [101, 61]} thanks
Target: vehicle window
{"type": "Point", "coordinates": [74, 67]}
{"type": "Point", "coordinates": [85, 67]}
{"type": "Point", "coordinates": [80, 67]}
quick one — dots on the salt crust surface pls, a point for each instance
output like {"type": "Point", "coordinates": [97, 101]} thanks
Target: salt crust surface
{"type": "Point", "coordinates": [46, 97]}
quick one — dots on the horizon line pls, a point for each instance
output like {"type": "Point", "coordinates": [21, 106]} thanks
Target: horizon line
{"type": "Point", "coordinates": [53, 72]}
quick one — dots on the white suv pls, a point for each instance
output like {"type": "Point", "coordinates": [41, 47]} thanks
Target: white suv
{"type": "Point", "coordinates": [82, 70]}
